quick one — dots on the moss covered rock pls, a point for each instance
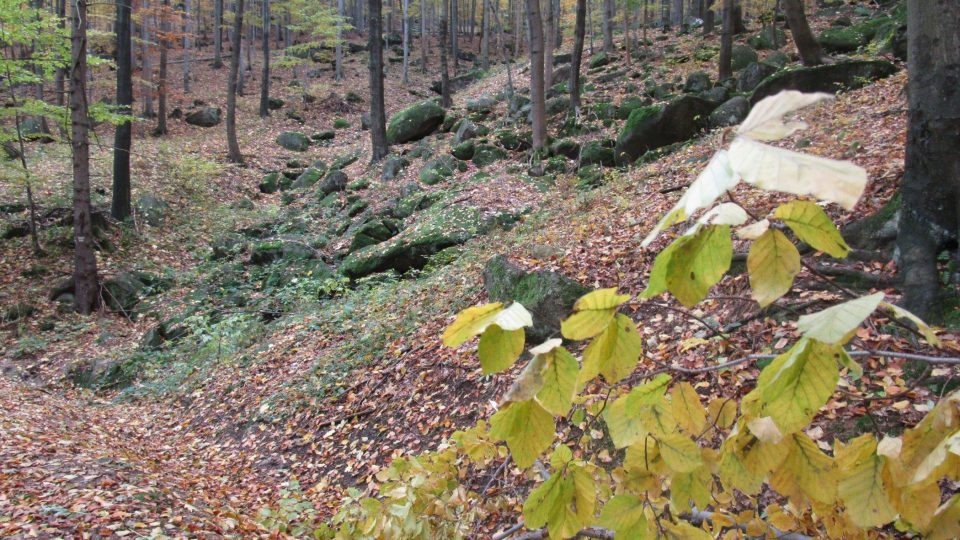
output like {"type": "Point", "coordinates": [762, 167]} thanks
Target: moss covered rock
{"type": "Point", "coordinates": [742, 56]}
{"type": "Point", "coordinates": [294, 141]}
{"type": "Point", "coordinates": [831, 78]}
{"type": "Point", "coordinates": [485, 154]}
{"type": "Point", "coordinates": [464, 150]}
{"type": "Point", "coordinates": [597, 153]}
{"type": "Point", "coordinates": [652, 127]}
{"type": "Point", "coordinates": [414, 122]}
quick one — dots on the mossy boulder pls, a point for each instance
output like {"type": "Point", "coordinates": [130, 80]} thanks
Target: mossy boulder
{"type": "Point", "coordinates": [336, 180]}
{"type": "Point", "coordinates": [437, 229]}
{"type": "Point", "coordinates": [485, 154]}
{"type": "Point", "coordinates": [392, 166]}
{"type": "Point", "coordinates": [464, 150]}
{"type": "Point", "coordinates": [698, 81]}
{"type": "Point", "coordinates": [374, 232]}
{"type": "Point", "coordinates": [629, 104]}
{"type": "Point", "coordinates": [414, 122]}
{"type": "Point", "coordinates": [151, 210]}
{"type": "Point", "coordinates": [566, 147]}
{"type": "Point", "coordinates": [124, 291]}
{"type": "Point", "coordinates": [310, 176]}
{"type": "Point", "coordinates": [18, 312]}
{"type": "Point", "coordinates": [589, 177]}
{"type": "Point", "coordinates": [600, 59]}
{"type": "Point", "coordinates": [766, 37]}
{"type": "Point", "coordinates": [731, 113]}
{"type": "Point", "coordinates": [414, 202]}
{"type": "Point", "coordinates": [777, 58]}
{"type": "Point", "coordinates": [652, 127]}
{"type": "Point", "coordinates": [294, 141]}
{"type": "Point", "coordinates": [742, 56]}
{"type": "Point", "coordinates": [842, 40]}
{"type": "Point", "coordinates": [831, 78]}
{"type": "Point", "coordinates": [755, 73]}
{"type": "Point", "coordinates": [511, 139]}
{"type": "Point", "coordinates": [548, 296]}
{"type": "Point", "coordinates": [99, 374]}
{"type": "Point", "coordinates": [437, 170]}
{"type": "Point", "coordinates": [597, 153]}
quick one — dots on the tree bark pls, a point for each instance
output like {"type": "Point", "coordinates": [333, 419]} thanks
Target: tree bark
{"type": "Point", "coordinates": [708, 17]}
{"type": "Point", "coordinates": [187, 45]}
{"type": "Point", "coordinates": [485, 37]}
{"type": "Point", "coordinates": [726, 41]}
{"type": "Point", "coordinates": [338, 47]}
{"type": "Point", "coordinates": [164, 35]}
{"type": "Point", "coordinates": [406, 41]}
{"type": "Point", "coordinates": [217, 34]}
{"type": "Point", "coordinates": [807, 45]}
{"type": "Point", "coordinates": [146, 69]}
{"type": "Point", "coordinates": [607, 22]}
{"type": "Point", "coordinates": [120, 202]}
{"type": "Point", "coordinates": [265, 71]}
{"type": "Point", "coordinates": [930, 192]}
{"type": "Point", "coordinates": [233, 147]}
{"type": "Point", "coordinates": [86, 288]}
{"type": "Point", "coordinates": [579, 31]}
{"type": "Point", "coordinates": [454, 46]}
{"type": "Point", "coordinates": [676, 14]}
{"type": "Point", "coordinates": [549, 42]}
{"type": "Point", "coordinates": [378, 120]}
{"type": "Point", "coordinates": [444, 68]}
{"type": "Point", "coordinates": [423, 37]}
{"type": "Point", "coordinates": [537, 96]}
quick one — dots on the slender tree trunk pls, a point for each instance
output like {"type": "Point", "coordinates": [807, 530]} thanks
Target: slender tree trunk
{"type": "Point", "coordinates": [590, 24]}
{"type": "Point", "coordinates": [503, 49]}
{"type": "Point", "coordinates": [676, 14]}
{"type": "Point", "coordinates": [549, 43]}
{"type": "Point", "coordinates": [217, 34]}
{"type": "Point", "coordinates": [60, 75]}
{"type": "Point", "coordinates": [146, 69]}
{"type": "Point", "coordinates": [444, 67]}
{"type": "Point", "coordinates": [120, 203]}
{"type": "Point", "coordinates": [187, 45]}
{"type": "Point", "coordinates": [576, 58]}
{"type": "Point", "coordinates": [378, 115]}
{"type": "Point", "coordinates": [726, 41]}
{"type": "Point", "coordinates": [338, 47]}
{"type": "Point", "coordinates": [930, 191]}
{"type": "Point", "coordinates": [807, 45]}
{"type": "Point", "coordinates": [708, 17]}
{"type": "Point", "coordinates": [537, 95]}
{"type": "Point", "coordinates": [233, 147]}
{"type": "Point", "coordinates": [265, 72]}
{"type": "Point", "coordinates": [607, 24]}
{"type": "Point", "coordinates": [406, 41]}
{"type": "Point", "coordinates": [454, 46]}
{"type": "Point", "coordinates": [485, 37]}
{"type": "Point", "coordinates": [86, 292]}
{"type": "Point", "coordinates": [626, 33]}
{"type": "Point", "coordinates": [423, 36]}
{"type": "Point", "coordinates": [161, 128]}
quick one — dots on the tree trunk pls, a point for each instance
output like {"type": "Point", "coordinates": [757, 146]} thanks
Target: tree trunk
{"type": "Point", "coordinates": [406, 41]}
{"type": "Point", "coordinates": [536, 75]}
{"type": "Point", "coordinates": [726, 41]}
{"type": "Point", "coordinates": [549, 43]}
{"type": "Point", "coordinates": [86, 292]}
{"type": "Point", "coordinates": [233, 147]}
{"type": "Point", "coordinates": [120, 203]}
{"type": "Point", "coordinates": [265, 72]}
{"type": "Point", "coordinates": [146, 69]}
{"type": "Point", "coordinates": [607, 22]}
{"type": "Point", "coordinates": [676, 14]}
{"type": "Point", "coordinates": [187, 45]}
{"type": "Point", "coordinates": [444, 68]}
{"type": "Point", "coordinates": [217, 34]}
{"type": "Point", "coordinates": [626, 33]}
{"type": "Point", "coordinates": [423, 37]}
{"type": "Point", "coordinates": [378, 120]}
{"type": "Point", "coordinates": [484, 38]}
{"type": "Point", "coordinates": [161, 128]}
{"type": "Point", "coordinates": [708, 17]}
{"type": "Point", "coordinates": [590, 24]}
{"type": "Point", "coordinates": [454, 46]}
{"type": "Point", "coordinates": [576, 58]}
{"type": "Point", "coordinates": [930, 203]}
{"type": "Point", "coordinates": [807, 45]}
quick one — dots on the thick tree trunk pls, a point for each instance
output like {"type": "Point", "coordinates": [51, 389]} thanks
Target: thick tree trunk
{"type": "Point", "coordinates": [726, 41]}
{"type": "Point", "coordinates": [87, 290]}
{"type": "Point", "coordinates": [576, 58]}
{"type": "Point", "coordinates": [265, 71]}
{"type": "Point", "coordinates": [930, 205]}
{"type": "Point", "coordinates": [378, 120]}
{"type": "Point", "coordinates": [444, 68]}
{"type": "Point", "coordinates": [607, 21]}
{"type": "Point", "coordinates": [676, 14]}
{"type": "Point", "coordinates": [708, 17]}
{"type": "Point", "coordinates": [807, 45]}
{"type": "Point", "coordinates": [537, 102]}
{"type": "Point", "coordinates": [233, 147]}
{"type": "Point", "coordinates": [161, 128]}
{"type": "Point", "coordinates": [120, 203]}
{"type": "Point", "coordinates": [217, 34]}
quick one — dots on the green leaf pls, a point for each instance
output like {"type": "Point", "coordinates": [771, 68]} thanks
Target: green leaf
{"type": "Point", "coordinates": [795, 385]}
{"type": "Point", "coordinates": [623, 416]}
{"type": "Point", "coordinates": [593, 313]}
{"type": "Point", "coordinates": [614, 353]}
{"type": "Point", "coordinates": [559, 381]}
{"type": "Point", "coordinates": [692, 487]}
{"type": "Point", "coordinates": [834, 324]}
{"type": "Point", "coordinates": [812, 225]}
{"type": "Point", "coordinates": [499, 349]}
{"type": "Point", "coordinates": [526, 427]}
{"type": "Point", "coordinates": [862, 487]}
{"type": "Point", "coordinates": [699, 262]}
{"type": "Point", "coordinates": [475, 320]}
{"type": "Point", "coordinates": [680, 453]}
{"type": "Point", "coordinates": [564, 503]}
{"type": "Point", "coordinates": [623, 514]}
{"type": "Point", "coordinates": [658, 274]}
{"type": "Point", "coordinates": [773, 262]}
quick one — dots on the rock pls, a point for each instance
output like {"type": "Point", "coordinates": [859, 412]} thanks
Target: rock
{"type": "Point", "coordinates": [742, 56]}
{"type": "Point", "coordinates": [764, 39]}
{"type": "Point", "coordinates": [365, 121]}
{"type": "Point", "coordinates": [275, 250]}
{"type": "Point", "coordinates": [597, 153]}
{"type": "Point", "coordinates": [828, 78]}
{"type": "Point", "coordinates": [274, 103]}
{"type": "Point", "coordinates": [841, 22]}
{"type": "Point", "coordinates": [561, 73]}
{"type": "Point", "coordinates": [892, 40]}
{"type": "Point", "coordinates": [558, 105]}
{"type": "Point", "coordinates": [463, 150]}
{"type": "Point", "coordinates": [99, 374]}
{"type": "Point", "coordinates": [151, 210]}
{"type": "Point", "coordinates": [459, 82]}
{"type": "Point", "coordinates": [270, 183]}
{"type": "Point", "coordinates": [414, 122]}
{"type": "Point", "coordinates": [33, 128]}
{"type": "Point", "coordinates": [295, 116]}
{"type": "Point", "coordinates": [336, 180]}
{"type": "Point", "coordinates": [466, 131]}
{"type": "Point", "coordinates": [437, 229]}
{"type": "Point", "coordinates": [548, 296]}
{"type": "Point", "coordinates": [227, 246]}
{"type": "Point", "coordinates": [482, 104]}
{"type": "Point", "coordinates": [697, 82]}
{"type": "Point", "coordinates": [327, 135]}
{"type": "Point", "coordinates": [514, 140]}
{"type": "Point", "coordinates": [731, 113]}
{"type": "Point", "coordinates": [754, 75]}
{"type": "Point", "coordinates": [163, 332]}
{"type": "Point", "coordinates": [294, 141]}
{"type": "Point", "coordinates": [589, 177]}
{"type": "Point", "coordinates": [716, 95]}
{"type": "Point", "coordinates": [374, 232]}
{"type": "Point", "coordinates": [600, 59]}
{"type": "Point", "coordinates": [123, 292]}
{"type": "Point", "coordinates": [18, 312]}
{"type": "Point", "coordinates": [310, 176]}
{"type": "Point", "coordinates": [629, 104]}
{"type": "Point", "coordinates": [205, 117]}
{"type": "Point", "coordinates": [777, 58]}
{"type": "Point", "coordinates": [436, 170]}
{"type": "Point", "coordinates": [566, 147]}
{"type": "Point", "coordinates": [485, 154]}
{"type": "Point", "coordinates": [877, 231]}
{"type": "Point", "coordinates": [652, 127]}
{"type": "Point", "coordinates": [392, 166]}
{"type": "Point", "coordinates": [562, 58]}
{"type": "Point", "coordinates": [842, 40]}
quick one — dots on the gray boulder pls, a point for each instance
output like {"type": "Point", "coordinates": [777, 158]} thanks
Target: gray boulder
{"type": "Point", "coordinates": [414, 122]}
{"type": "Point", "coordinates": [754, 75]}
{"type": "Point", "coordinates": [335, 181]}
{"type": "Point", "coordinates": [649, 128]}
{"type": "Point", "coordinates": [831, 78]}
{"type": "Point", "coordinates": [151, 210]}
{"type": "Point", "coordinates": [294, 141]}
{"type": "Point", "coordinates": [731, 113]}
{"type": "Point", "coordinates": [392, 167]}
{"type": "Point", "coordinates": [205, 117]}
{"type": "Point", "coordinates": [697, 82]}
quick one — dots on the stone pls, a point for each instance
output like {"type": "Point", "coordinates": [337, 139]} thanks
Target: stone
{"type": "Point", "coordinates": [414, 122]}
{"type": "Point", "coordinates": [310, 176]}
{"type": "Point", "coordinates": [464, 150]}
{"type": "Point", "coordinates": [466, 131]}
{"type": "Point", "coordinates": [270, 183]}
{"type": "Point", "coordinates": [18, 312]}
{"type": "Point", "coordinates": [558, 105]}
{"type": "Point", "coordinates": [754, 75]}
{"type": "Point", "coordinates": [561, 74]}
{"type": "Point", "coordinates": [99, 374]}
{"type": "Point", "coordinates": [485, 154]}
{"type": "Point", "coordinates": [415, 202]}
{"type": "Point", "coordinates": [697, 82]}
{"type": "Point", "coordinates": [597, 153]}
{"type": "Point", "coordinates": [628, 105]}
{"type": "Point", "coordinates": [123, 292]}
{"type": "Point", "coordinates": [566, 147]}
{"type": "Point", "coordinates": [459, 82]}
{"type": "Point", "coordinates": [511, 139]}
{"type": "Point", "coordinates": [205, 117]}
{"type": "Point", "coordinates": [764, 39]}
{"type": "Point", "coordinates": [33, 128]}
{"type": "Point", "coordinates": [600, 59]}
{"type": "Point", "coordinates": [392, 166]}
{"type": "Point", "coordinates": [842, 40]}
{"type": "Point", "coordinates": [589, 177]}
{"type": "Point", "coordinates": [365, 121]}
{"type": "Point", "coordinates": [777, 58]}
{"type": "Point", "coordinates": [374, 232]}
{"type": "Point", "coordinates": [831, 78]}
{"type": "Point", "coordinates": [730, 113]}
{"type": "Point", "coordinates": [717, 94]}
{"type": "Point", "coordinates": [437, 170]}
{"type": "Point", "coordinates": [326, 135]}
{"type": "Point", "coordinates": [336, 180]}
{"type": "Point", "coordinates": [548, 296]}
{"type": "Point", "coordinates": [742, 56]}
{"type": "Point", "coordinates": [294, 141]}
{"type": "Point", "coordinates": [482, 104]}
{"type": "Point", "coordinates": [649, 128]}
{"type": "Point", "coordinates": [274, 103]}
{"type": "Point", "coordinates": [151, 210]}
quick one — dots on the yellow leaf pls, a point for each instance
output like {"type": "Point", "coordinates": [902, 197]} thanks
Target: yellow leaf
{"type": "Point", "coordinates": [834, 324]}
{"type": "Point", "coordinates": [469, 323]}
{"type": "Point", "coordinates": [809, 469]}
{"type": "Point", "coordinates": [559, 381]}
{"type": "Point", "coordinates": [722, 412]}
{"type": "Point", "coordinates": [691, 488]}
{"type": "Point", "coordinates": [614, 353]}
{"type": "Point", "coordinates": [687, 409]}
{"type": "Point", "coordinates": [900, 313]}
{"type": "Point", "coordinates": [699, 262]}
{"type": "Point", "coordinates": [765, 121]}
{"type": "Point", "coordinates": [945, 524]}
{"type": "Point", "coordinates": [593, 313]}
{"type": "Point", "coordinates": [861, 486]}
{"type": "Point", "coordinates": [773, 262]}
{"type": "Point", "coordinates": [680, 453]}
{"type": "Point", "coordinates": [526, 427]}
{"type": "Point", "coordinates": [499, 348]}
{"type": "Point", "coordinates": [765, 430]}
{"type": "Point", "coordinates": [624, 417]}
{"type": "Point", "coordinates": [812, 225]}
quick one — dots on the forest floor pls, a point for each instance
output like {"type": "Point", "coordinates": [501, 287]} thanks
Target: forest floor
{"type": "Point", "coordinates": [331, 392]}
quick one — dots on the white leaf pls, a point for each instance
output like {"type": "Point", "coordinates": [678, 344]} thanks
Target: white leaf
{"type": "Point", "coordinates": [777, 169]}
{"type": "Point", "coordinates": [890, 447]}
{"type": "Point", "coordinates": [754, 230]}
{"type": "Point", "coordinates": [765, 121]}
{"type": "Point", "coordinates": [834, 323]}
{"type": "Point", "coordinates": [546, 346]}
{"type": "Point", "coordinates": [514, 317]}
{"type": "Point", "coordinates": [765, 430]}
{"type": "Point", "coordinates": [713, 182]}
{"type": "Point", "coordinates": [722, 214]}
